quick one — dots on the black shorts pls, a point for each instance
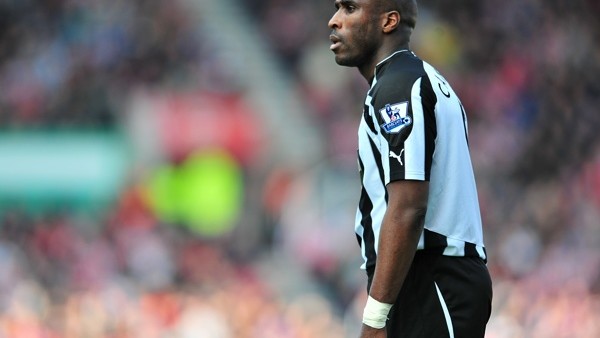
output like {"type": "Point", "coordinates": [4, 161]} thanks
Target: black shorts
{"type": "Point", "coordinates": [441, 297]}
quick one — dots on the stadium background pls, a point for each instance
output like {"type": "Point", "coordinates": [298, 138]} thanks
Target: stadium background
{"type": "Point", "coordinates": [187, 168]}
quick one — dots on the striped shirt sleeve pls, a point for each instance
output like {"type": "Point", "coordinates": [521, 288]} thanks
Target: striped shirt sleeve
{"type": "Point", "coordinates": [406, 116]}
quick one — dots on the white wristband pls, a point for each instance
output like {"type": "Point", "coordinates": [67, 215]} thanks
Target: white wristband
{"type": "Point", "coordinates": [375, 314]}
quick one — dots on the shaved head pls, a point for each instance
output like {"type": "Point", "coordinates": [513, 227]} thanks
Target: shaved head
{"type": "Point", "coordinates": [407, 9]}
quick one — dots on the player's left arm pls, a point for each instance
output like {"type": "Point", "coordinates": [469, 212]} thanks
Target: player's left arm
{"type": "Point", "coordinates": [399, 236]}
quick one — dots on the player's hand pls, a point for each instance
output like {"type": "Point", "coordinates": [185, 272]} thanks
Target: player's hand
{"type": "Point", "coordinates": [369, 332]}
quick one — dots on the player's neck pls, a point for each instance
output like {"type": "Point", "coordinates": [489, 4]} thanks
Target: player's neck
{"type": "Point", "coordinates": [368, 69]}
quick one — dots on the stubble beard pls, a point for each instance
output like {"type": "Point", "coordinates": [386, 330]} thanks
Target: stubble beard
{"type": "Point", "coordinates": [363, 56]}
{"type": "Point", "coordinates": [359, 53]}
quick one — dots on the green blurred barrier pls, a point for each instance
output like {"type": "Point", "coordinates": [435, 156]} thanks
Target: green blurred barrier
{"type": "Point", "coordinates": [78, 171]}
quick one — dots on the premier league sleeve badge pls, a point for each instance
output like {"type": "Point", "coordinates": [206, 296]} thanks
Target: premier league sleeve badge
{"type": "Point", "coordinates": [395, 117]}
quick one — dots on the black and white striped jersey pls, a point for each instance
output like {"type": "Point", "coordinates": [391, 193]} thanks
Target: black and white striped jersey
{"type": "Point", "coordinates": [414, 127]}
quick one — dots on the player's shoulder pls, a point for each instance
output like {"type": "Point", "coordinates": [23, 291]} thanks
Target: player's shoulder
{"type": "Point", "coordinates": [402, 68]}
{"type": "Point", "coordinates": [398, 75]}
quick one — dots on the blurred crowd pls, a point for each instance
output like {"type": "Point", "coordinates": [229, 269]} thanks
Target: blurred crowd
{"type": "Point", "coordinates": [525, 70]}
{"type": "Point", "coordinates": [70, 63]}
{"type": "Point", "coordinates": [124, 276]}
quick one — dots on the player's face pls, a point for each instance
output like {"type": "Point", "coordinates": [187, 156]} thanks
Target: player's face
{"type": "Point", "coordinates": [354, 33]}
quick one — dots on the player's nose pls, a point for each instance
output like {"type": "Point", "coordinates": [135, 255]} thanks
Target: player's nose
{"type": "Point", "coordinates": [334, 22]}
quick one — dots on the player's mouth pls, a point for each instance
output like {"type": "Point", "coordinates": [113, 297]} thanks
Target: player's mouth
{"type": "Point", "coordinates": [335, 42]}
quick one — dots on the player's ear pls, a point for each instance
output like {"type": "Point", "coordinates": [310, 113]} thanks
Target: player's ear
{"type": "Point", "coordinates": [391, 20]}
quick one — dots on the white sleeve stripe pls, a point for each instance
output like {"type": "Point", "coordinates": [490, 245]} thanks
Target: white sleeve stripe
{"type": "Point", "coordinates": [414, 146]}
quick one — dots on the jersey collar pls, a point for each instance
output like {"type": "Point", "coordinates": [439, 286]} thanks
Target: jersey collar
{"type": "Point", "coordinates": [390, 56]}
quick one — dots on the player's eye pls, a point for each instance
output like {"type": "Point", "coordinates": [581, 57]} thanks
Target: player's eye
{"type": "Point", "coordinates": [347, 6]}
